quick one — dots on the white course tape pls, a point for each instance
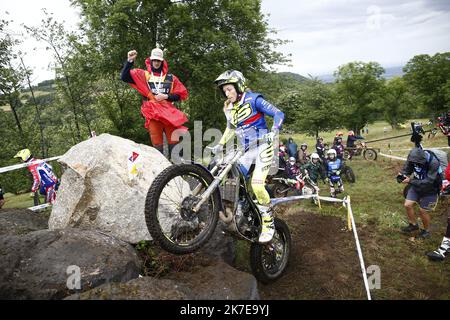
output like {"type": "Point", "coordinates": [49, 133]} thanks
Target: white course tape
{"type": "Point", "coordinates": [392, 157]}
{"type": "Point", "coordinates": [24, 165]}
{"type": "Point", "coordinates": [397, 150]}
{"type": "Point", "coordinates": [277, 201]}
{"type": "Point", "coordinates": [39, 207]}
{"type": "Point", "coordinates": [358, 248]}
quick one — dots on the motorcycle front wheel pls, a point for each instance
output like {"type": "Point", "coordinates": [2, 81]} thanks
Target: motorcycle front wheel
{"type": "Point", "coordinates": [168, 209]}
{"type": "Point", "coordinates": [349, 175]}
{"type": "Point", "coordinates": [279, 190]}
{"type": "Point", "coordinates": [269, 261]}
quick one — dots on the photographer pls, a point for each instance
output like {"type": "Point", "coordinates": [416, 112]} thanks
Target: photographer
{"type": "Point", "coordinates": [424, 188]}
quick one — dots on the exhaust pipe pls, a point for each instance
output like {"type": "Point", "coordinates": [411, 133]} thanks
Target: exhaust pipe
{"type": "Point", "coordinates": [226, 216]}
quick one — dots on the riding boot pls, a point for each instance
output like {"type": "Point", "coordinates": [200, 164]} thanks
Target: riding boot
{"type": "Point", "coordinates": [268, 225]}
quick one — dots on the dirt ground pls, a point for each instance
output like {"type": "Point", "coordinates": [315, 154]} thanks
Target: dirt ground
{"type": "Point", "coordinates": [324, 262]}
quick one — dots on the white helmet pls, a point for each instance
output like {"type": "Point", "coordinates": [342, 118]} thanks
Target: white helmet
{"type": "Point", "coordinates": [315, 155]}
{"type": "Point", "coordinates": [291, 159]}
{"type": "Point", "coordinates": [331, 151]}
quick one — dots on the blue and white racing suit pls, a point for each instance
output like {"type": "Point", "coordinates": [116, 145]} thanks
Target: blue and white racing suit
{"type": "Point", "coordinates": [246, 120]}
{"type": "Point", "coordinates": [333, 173]}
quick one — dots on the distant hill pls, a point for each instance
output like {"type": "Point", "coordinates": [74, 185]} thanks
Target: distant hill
{"type": "Point", "coordinates": [295, 76]}
{"type": "Point", "coordinates": [389, 74]}
{"type": "Point", "coordinates": [393, 72]}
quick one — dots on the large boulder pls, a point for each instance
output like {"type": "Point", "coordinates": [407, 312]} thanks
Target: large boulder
{"type": "Point", "coordinates": [21, 221]}
{"type": "Point", "coordinates": [218, 281]}
{"type": "Point", "coordinates": [98, 191]}
{"type": "Point", "coordinates": [44, 264]}
{"type": "Point", "coordinates": [144, 288]}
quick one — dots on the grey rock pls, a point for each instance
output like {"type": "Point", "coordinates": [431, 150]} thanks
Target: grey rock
{"type": "Point", "coordinates": [221, 245]}
{"type": "Point", "coordinates": [145, 288]}
{"type": "Point", "coordinates": [97, 190]}
{"type": "Point", "coordinates": [219, 282]}
{"type": "Point", "coordinates": [35, 265]}
{"type": "Point", "coordinates": [216, 282]}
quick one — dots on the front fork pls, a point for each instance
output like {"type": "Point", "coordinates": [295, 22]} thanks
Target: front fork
{"type": "Point", "coordinates": [209, 191]}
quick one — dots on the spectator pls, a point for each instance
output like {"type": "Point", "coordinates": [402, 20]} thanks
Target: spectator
{"type": "Point", "coordinates": [339, 134]}
{"type": "Point", "coordinates": [339, 148]}
{"type": "Point", "coordinates": [320, 149]}
{"type": "Point", "coordinates": [302, 155]}
{"type": "Point", "coordinates": [292, 149]}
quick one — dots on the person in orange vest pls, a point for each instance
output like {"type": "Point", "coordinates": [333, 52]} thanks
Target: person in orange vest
{"type": "Point", "coordinates": [159, 89]}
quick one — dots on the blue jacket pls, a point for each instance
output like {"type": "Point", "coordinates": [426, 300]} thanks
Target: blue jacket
{"type": "Point", "coordinates": [247, 117]}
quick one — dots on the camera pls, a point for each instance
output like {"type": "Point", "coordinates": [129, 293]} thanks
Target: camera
{"type": "Point", "coordinates": [400, 177]}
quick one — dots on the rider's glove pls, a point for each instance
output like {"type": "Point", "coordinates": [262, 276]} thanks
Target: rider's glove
{"type": "Point", "coordinates": [217, 149]}
{"type": "Point", "coordinates": [269, 137]}
{"type": "Point", "coordinates": [338, 173]}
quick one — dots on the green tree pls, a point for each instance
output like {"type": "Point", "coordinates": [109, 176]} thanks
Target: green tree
{"type": "Point", "coordinates": [396, 101]}
{"type": "Point", "coordinates": [358, 86]}
{"type": "Point", "coordinates": [60, 42]}
{"type": "Point", "coordinates": [429, 76]}
{"type": "Point", "coordinates": [201, 39]}
{"type": "Point", "coordinates": [312, 109]}
{"type": "Point", "coordinates": [11, 78]}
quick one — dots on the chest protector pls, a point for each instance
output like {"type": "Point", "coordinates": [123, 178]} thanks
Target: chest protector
{"type": "Point", "coordinates": [159, 84]}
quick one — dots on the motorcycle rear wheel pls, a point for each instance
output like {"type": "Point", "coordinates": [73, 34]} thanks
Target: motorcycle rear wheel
{"type": "Point", "coordinates": [370, 154]}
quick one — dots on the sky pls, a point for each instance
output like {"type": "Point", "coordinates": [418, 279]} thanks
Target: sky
{"type": "Point", "coordinates": [323, 34]}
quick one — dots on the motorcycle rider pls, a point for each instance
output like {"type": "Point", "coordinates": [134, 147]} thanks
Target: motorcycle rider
{"type": "Point", "coordinates": [314, 168]}
{"type": "Point", "coordinates": [43, 176]}
{"type": "Point", "coordinates": [334, 167]}
{"type": "Point", "coordinates": [351, 138]}
{"type": "Point", "coordinates": [294, 173]}
{"type": "Point", "coordinates": [245, 111]}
